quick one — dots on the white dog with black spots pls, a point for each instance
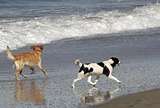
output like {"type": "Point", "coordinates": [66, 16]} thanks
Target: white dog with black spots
{"type": "Point", "coordinates": [97, 69]}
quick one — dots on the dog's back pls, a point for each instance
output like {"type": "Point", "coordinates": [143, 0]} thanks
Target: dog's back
{"type": "Point", "coordinates": [28, 57]}
{"type": "Point", "coordinates": [32, 57]}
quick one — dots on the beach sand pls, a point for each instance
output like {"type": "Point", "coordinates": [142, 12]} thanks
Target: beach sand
{"type": "Point", "coordinates": [148, 99]}
{"type": "Point", "coordinates": [139, 71]}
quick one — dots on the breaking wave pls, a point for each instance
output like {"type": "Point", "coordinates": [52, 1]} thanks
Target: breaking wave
{"type": "Point", "coordinates": [19, 32]}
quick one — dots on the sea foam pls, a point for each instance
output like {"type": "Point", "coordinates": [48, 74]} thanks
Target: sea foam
{"type": "Point", "coordinates": [18, 32]}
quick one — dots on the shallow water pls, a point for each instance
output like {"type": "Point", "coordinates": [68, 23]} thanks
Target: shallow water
{"type": "Point", "coordinates": [139, 71]}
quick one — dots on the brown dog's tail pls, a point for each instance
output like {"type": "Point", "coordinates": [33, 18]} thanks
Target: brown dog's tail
{"type": "Point", "coordinates": [77, 62]}
{"type": "Point", "coordinates": [9, 54]}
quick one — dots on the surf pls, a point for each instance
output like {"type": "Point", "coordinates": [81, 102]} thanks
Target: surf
{"type": "Point", "coordinates": [19, 32]}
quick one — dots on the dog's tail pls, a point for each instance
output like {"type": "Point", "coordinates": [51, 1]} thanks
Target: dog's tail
{"type": "Point", "coordinates": [9, 53]}
{"type": "Point", "coordinates": [77, 62]}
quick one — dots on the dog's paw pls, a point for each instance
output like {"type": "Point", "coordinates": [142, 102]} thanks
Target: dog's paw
{"type": "Point", "coordinates": [94, 85]}
{"type": "Point", "coordinates": [25, 76]}
{"type": "Point", "coordinates": [73, 86]}
{"type": "Point", "coordinates": [119, 82]}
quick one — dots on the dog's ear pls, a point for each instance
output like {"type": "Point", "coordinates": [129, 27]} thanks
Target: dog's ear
{"type": "Point", "coordinates": [115, 59]}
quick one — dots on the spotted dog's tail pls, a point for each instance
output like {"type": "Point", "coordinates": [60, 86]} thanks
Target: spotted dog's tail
{"type": "Point", "coordinates": [77, 62]}
{"type": "Point", "coordinates": [9, 54]}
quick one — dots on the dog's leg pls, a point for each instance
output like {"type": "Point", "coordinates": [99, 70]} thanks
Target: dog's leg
{"type": "Point", "coordinates": [97, 77]}
{"type": "Point", "coordinates": [18, 70]}
{"type": "Point", "coordinates": [90, 81]}
{"type": "Point", "coordinates": [44, 71]}
{"type": "Point", "coordinates": [74, 81]}
{"type": "Point", "coordinates": [32, 69]}
{"type": "Point", "coordinates": [17, 74]}
{"type": "Point", "coordinates": [24, 76]}
{"type": "Point", "coordinates": [114, 78]}
{"type": "Point", "coordinates": [80, 76]}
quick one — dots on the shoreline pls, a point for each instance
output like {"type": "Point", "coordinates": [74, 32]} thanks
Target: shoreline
{"type": "Point", "coordinates": [131, 34]}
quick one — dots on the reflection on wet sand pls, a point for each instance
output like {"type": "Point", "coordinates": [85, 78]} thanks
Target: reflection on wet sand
{"type": "Point", "coordinates": [28, 91]}
{"type": "Point", "coordinates": [94, 96]}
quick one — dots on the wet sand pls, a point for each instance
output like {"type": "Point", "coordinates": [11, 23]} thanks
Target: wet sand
{"type": "Point", "coordinates": [148, 99]}
{"type": "Point", "coordinates": [139, 71]}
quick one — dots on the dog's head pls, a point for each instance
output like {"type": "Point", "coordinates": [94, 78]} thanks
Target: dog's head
{"type": "Point", "coordinates": [37, 47]}
{"type": "Point", "coordinates": [77, 61]}
{"type": "Point", "coordinates": [114, 61]}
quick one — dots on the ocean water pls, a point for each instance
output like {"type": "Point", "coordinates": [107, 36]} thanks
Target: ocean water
{"type": "Point", "coordinates": [24, 22]}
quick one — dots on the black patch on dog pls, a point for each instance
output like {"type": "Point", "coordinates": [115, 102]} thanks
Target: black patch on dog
{"type": "Point", "coordinates": [101, 64]}
{"type": "Point", "coordinates": [81, 68]}
{"type": "Point", "coordinates": [113, 65]}
{"type": "Point", "coordinates": [85, 69]}
{"type": "Point", "coordinates": [106, 71]}
{"type": "Point", "coordinates": [116, 61]}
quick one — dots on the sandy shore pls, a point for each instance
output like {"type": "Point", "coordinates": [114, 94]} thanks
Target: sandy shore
{"type": "Point", "coordinates": [148, 99]}
{"type": "Point", "coordinates": [139, 71]}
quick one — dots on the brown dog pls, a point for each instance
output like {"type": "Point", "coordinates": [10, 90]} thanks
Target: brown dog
{"type": "Point", "coordinates": [31, 59]}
